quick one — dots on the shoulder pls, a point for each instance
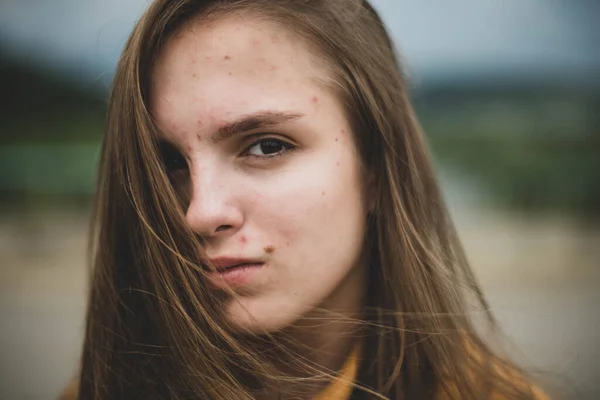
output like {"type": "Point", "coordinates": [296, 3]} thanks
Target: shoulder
{"type": "Point", "coordinates": [499, 383]}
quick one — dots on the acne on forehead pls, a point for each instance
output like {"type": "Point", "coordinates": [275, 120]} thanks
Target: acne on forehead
{"type": "Point", "coordinates": [241, 51]}
{"type": "Point", "coordinates": [256, 32]}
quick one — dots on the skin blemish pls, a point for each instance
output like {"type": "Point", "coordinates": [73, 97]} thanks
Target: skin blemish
{"type": "Point", "coordinates": [227, 57]}
{"type": "Point", "coordinates": [243, 239]}
{"type": "Point", "coordinates": [322, 193]}
{"type": "Point", "coordinates": [194, 75]}
{"type": "Point", "coordinates": [230, 73]}
{"type": "Point", "coordinates": [336, 139]}
{"type": "Point", "coordinates": [315, 99]}
{"type": "Point", "coordinates": [269, 248]}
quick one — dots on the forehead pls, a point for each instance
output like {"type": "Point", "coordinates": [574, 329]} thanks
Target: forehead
{"type": "Point", "coordinates": [218, 69]}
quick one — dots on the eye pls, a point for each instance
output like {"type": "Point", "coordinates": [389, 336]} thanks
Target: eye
{"type": "Point", "coordinates": [172, 159]}
{"type": "Point", "coordinates": [268, 147]}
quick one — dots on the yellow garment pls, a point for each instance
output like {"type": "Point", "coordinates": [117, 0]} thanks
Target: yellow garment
{"type": "Point", "coordinates": [341, 388]}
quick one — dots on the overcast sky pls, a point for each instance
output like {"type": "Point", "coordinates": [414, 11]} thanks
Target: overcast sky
{"type": "Point", "coordinates": [436, 37]}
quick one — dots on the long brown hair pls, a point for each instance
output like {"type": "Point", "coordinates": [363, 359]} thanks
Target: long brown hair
{"type": "Point", "coordinates": [153, 328]}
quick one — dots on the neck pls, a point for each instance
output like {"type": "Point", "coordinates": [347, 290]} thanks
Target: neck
{"type": "Point", "coordinates": [323, 338]}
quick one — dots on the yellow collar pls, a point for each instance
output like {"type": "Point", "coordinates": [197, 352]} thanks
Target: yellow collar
{"type": "Point", "coordinates": [341, 388]}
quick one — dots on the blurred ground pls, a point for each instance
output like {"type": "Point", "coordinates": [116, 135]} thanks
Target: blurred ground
{"type": "Point", "coordinates": [542, 276]}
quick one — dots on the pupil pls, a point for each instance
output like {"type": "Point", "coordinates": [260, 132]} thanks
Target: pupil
{"type": "Point", "coordinates": [172, 159]}
{"type": "Point", "coordinates": [175, 163]}
{"type": "Point", "coordinates": [270, 147]}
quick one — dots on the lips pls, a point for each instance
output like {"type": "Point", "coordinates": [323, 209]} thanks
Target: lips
{"type": "Point", "coordinates": [223, 264]}
{"type": "Point", "coordinates": [234, 272]}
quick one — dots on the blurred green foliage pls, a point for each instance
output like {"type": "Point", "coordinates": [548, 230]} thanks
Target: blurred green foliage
{"type": "Point", "coordinates": [531, 146]}
{"type": "Point", "coordinates": [51, 129]}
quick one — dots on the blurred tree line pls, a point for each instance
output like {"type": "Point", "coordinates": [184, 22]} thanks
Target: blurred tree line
{"type": "Point", "coordinates": [535, 146]}
{"type": "Point", "coordinates": [51, 129]}
{"type": "Point", "coordinates": [532, 146]}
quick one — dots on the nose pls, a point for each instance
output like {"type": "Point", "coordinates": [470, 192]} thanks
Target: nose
{"type": "Point", "coordinates": [213, 211]}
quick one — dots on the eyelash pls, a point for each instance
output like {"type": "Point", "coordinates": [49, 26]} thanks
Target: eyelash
{"type": "Point", "coordinates": [285, 144]}
{"type": "Point", "coordinates": [173, 160]}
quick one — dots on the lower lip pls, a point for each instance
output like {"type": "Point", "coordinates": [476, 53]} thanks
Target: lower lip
{"type": "Point", "coordinates": [235, 277]}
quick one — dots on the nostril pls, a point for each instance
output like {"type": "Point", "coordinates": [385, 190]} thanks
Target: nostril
{"type": "Point", "coordinates": [223, 228]}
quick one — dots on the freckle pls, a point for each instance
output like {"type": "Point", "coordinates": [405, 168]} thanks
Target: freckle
{"type": "Point", "coordinates": [269, 248]}
{"type": "Point", "coordinates": [230, 73]}
{"type": "Point", "coordinates": [227, 57]}
{"type": "Point", "coordinates": [337, 163]}
{"type": "Point", "coordinates": [194, 75]}
{"type": "Point", "coordinates": [336, 139]}
{"type": "Point", "coordinates": [287, 243]}
{"type": "Point", "coordinates": [322, 193]}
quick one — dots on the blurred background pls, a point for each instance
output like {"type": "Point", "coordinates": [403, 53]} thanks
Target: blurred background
{"type": "Point", "coordinates": [508, 92]}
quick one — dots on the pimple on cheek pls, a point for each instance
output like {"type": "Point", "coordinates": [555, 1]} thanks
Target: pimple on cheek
{"type": "Point", "coordinates": [243, 239]}
{"type": "Point", "coordinates": [269, 248]}
{"type": "Point", "coordinates": [315, 99]}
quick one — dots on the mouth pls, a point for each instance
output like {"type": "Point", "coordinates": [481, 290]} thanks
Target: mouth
{"type": "Point", "coordinates": [233, 272]}
{"type": "Point", "coordinates": [223, 264]}
{"type": "Point", "coordinates": [238, 266]}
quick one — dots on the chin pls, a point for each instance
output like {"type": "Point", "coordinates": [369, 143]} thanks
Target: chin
{"type": "Point", "coordinates": [244, 316]}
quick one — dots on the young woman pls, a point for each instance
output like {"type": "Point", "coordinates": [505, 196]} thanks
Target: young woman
{"type": "Point", "coordinates": [268, 224]}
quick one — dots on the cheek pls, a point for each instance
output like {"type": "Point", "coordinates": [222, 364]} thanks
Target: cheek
{"type": "Point", "coordinates": [311, 203]}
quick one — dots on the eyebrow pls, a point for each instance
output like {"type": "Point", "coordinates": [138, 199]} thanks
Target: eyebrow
{"type": "Point", "coordinates": [259, 120]}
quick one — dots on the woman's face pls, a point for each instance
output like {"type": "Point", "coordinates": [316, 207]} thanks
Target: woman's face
{"type": "Point", "coordinates": [264, 155]}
